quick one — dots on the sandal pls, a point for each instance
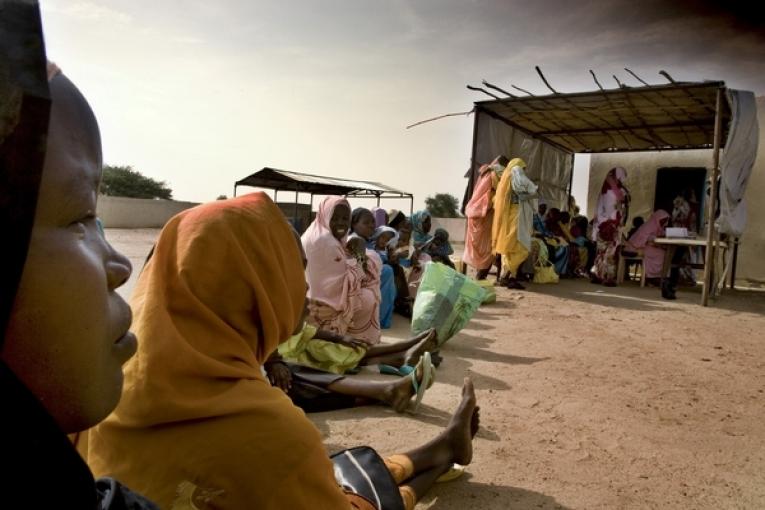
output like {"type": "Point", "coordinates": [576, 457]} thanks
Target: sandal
{"type": "Point", "coordinates": [428, 376]}
{"type": "Point", "coordinates": [453, 473]}
{"type": "Point", "coordinates": [391, 370]}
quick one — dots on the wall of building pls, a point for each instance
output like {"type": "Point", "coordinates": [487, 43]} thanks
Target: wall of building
{"type": "Point", "coordinates": [642, 168]}
{"type": "Point", "coordinates": [455, 227]}
{"type": "Point", "coordinates": [123, 212]}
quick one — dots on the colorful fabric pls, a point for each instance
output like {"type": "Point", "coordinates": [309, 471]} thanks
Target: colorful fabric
{"type": "Point", "coordinates": [219, 293]}
{"type": "Point", "coordinates": [344, 295]}
{"type": "Point", "coordinates": [419, 236]}
{"type": "Point", "coordinates": [480, 216]}
{"type": "Point", "coordinates": [381, 217]}
{"type": "Point", "coordinates": [305, 350]}
{"type": "Point", "coordinates": [446, 300]}
{"type": "Point", "coordinates": [642, 241]}
{"type": "Point", "coordinates": [513, 213]}
{"type": "Point", "coordinates": [610, 216]}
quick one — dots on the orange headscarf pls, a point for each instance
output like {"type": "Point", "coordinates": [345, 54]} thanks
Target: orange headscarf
{"type": "Point", "coordinates": [197, 419]}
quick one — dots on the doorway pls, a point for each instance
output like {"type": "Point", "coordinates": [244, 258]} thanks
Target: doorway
{"type": "Point", "coordinates": [687, 182]}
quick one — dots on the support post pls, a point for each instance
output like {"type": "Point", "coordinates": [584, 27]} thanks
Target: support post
{"type": "Point", "coordinates": [570, 185]}
{"type": "Point", "coordinates": [734, 263]}
{"type": "Point", "coordinates": [295, 209]}
{"type": "Point", "coordinates": [709, 255]}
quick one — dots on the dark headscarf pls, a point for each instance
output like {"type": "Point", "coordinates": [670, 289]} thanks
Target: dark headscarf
{"type": "Point", "coordinates": [358, 213]}
{"type": "Point", "coordinates": [41, 468]}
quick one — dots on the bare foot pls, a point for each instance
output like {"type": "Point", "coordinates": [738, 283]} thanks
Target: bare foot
{"type": "Point", "coordinates": [464, 426]}
{"type": "Point", "coordinates": [429, 342]}
{"type": "Point", "coordinates": [399, 393]}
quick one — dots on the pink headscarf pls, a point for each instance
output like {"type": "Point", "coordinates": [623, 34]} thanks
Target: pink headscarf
{"type": "Point", "coordinates": [332, 276]}
{"type": "Point", "coordinates": [649, 230]}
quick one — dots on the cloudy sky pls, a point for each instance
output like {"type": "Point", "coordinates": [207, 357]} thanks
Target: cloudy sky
{"type": "Point", "coordinates": [201, 93]}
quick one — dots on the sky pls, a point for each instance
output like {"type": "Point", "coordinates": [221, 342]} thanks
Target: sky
{"type": "Point", "coordinates": [200, 94]}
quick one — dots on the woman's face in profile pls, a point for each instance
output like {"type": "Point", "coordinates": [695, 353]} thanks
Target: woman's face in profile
{"type": "Point", "coordinates": [68, 333]}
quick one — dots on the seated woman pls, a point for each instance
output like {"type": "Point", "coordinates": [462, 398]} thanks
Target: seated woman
{"type": "Point", "coordinates": [642, 242]}
{"type": "Point", "coordinates": [199, 424]}
{"type": "Point", "coordinates": [64, 327]}
{"type": "Point", "coordinates": [577, 251]}
{"type": "Point", "coordinates": [384, 242]}
{"type": "Point", "coordinates": [439, 248]}
{"type": "Point", "coordinates": [413, 260]}
{"type": "Point", "coordinates": [343, 283]}
{"type": "Point", "coordinates": [549, 231]}
{"type": "Point", "coordinates": [421, 225]}
{"type": "Point", "coordinates": [363, 225]}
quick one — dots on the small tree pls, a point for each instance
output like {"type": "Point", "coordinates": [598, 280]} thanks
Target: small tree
{"type": "Point", "coordinates": [123, 181]}
{"type": "Point", "coordinates": [442, 205]}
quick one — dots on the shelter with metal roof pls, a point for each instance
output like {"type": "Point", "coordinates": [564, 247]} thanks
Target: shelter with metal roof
{"type": "Point", "coordinates": [283, 180]}
{"type": "Point", "coordinates": [546, 131]}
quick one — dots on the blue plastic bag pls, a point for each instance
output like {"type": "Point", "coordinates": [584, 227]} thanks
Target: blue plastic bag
{"type": "Point", "coordinates": [446, 300]}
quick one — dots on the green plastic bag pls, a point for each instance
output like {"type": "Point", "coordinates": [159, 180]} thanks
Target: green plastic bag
{"type": "Point", "coordinates": [446, 300]}
{"type": "Point", "coordinates": [491, 294]}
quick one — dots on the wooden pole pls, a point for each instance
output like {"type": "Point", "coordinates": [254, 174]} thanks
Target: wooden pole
{"type": "Point", "coordinates": [709, 256]}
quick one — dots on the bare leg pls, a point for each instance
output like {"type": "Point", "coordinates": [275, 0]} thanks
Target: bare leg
{"type": "Point", "coordinates": [400, 353]}
{"type": "Point", "coordinates": [422, 482]}
{"type": "Point", "coordinates": [455, 443]}
{"type": "Point", "coordinates": [396, 394]}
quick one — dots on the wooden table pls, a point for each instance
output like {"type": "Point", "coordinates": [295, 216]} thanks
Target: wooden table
{"type": "Point", "coordinates": [671, 245]}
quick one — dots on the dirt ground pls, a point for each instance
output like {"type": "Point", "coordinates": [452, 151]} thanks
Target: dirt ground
{"type": "Point", "coordinates": [591, 397]}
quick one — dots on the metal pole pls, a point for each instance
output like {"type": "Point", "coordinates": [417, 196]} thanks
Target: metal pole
{"type": "Point", "coordinates": [276, 194]}
{"type": "Point", "coordinates": [234, 190]}
{"type": "Point", "coordinates": [709, 256]}
{"type": "Point", "coordinates": [378, 200]}
{"type": "Point", "coordinates": [294, 211]}
{"type": "Point", "coordinates": [411, 205]}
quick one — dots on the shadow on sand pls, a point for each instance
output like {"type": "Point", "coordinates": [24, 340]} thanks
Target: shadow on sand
{"type": "Point", "coordinates": [464, 493]}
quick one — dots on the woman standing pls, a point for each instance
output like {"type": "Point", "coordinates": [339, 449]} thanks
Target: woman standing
{"type": "Point", "coordinates": [480, 216]}
{"type": "Point", "coordinates": [513, 219]}
{"type": "Point", "coordinates": [610, 216]}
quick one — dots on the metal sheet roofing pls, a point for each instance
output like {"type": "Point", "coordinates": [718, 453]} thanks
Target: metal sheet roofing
{"type": "Point", "coordinates": [273, 178]}
{"type": "Point", "coordinates": [680, 115]}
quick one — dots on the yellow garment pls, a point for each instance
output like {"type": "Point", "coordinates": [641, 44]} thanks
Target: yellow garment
{"type": "Point", "coordinates": [511, 262]}
{"type": "Point", "coordinates": [504, 231]}
{"type": "Point", "coordinates": [223, 287]}
{"type": "Point", "coordinates": [303, 349]}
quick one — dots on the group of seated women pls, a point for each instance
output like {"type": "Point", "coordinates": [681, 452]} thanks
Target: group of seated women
{"type": "Point", "coordinates": [192, 422]}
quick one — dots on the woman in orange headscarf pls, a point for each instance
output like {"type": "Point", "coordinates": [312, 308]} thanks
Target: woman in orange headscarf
{"type": "Point", "coordinates": [199, 426]}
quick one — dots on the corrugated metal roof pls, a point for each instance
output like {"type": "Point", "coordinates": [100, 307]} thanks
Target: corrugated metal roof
{"type": "Point", "coordinates": [273, 178]}
{"type": "Point", "coordinates": [655, 117]}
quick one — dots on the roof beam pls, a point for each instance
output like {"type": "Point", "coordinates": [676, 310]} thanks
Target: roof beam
{"type": "Point", "coordinates": [616, 129]}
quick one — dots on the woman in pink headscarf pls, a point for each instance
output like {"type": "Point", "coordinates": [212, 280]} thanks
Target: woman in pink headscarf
{"type": "Point", "coordinates": [343, 283]}
{"type": "Point", "coordinates": [610, 216]}
{"type": "Point", "coordinates": [480, 216]}
{"type": "Point", "coordinates": [642, 241]}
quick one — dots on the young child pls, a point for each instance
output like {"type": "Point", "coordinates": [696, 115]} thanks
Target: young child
{"type": "Point", "coordinates": [439, 248]}
{"type": "Point", "coordinates": [65, 328]}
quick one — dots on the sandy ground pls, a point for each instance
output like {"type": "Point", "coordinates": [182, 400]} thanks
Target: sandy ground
{"type": "Point", "coordinates": [590, 398]}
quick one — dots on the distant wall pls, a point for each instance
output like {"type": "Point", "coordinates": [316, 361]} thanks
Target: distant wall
{"type": "Point", "coordinates": [123, 212]}
{"type": "Point", "coordinates": [455, 227]}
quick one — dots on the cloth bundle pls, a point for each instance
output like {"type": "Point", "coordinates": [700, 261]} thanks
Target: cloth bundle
{"type": "Point", "coordinates": [446, 300]}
